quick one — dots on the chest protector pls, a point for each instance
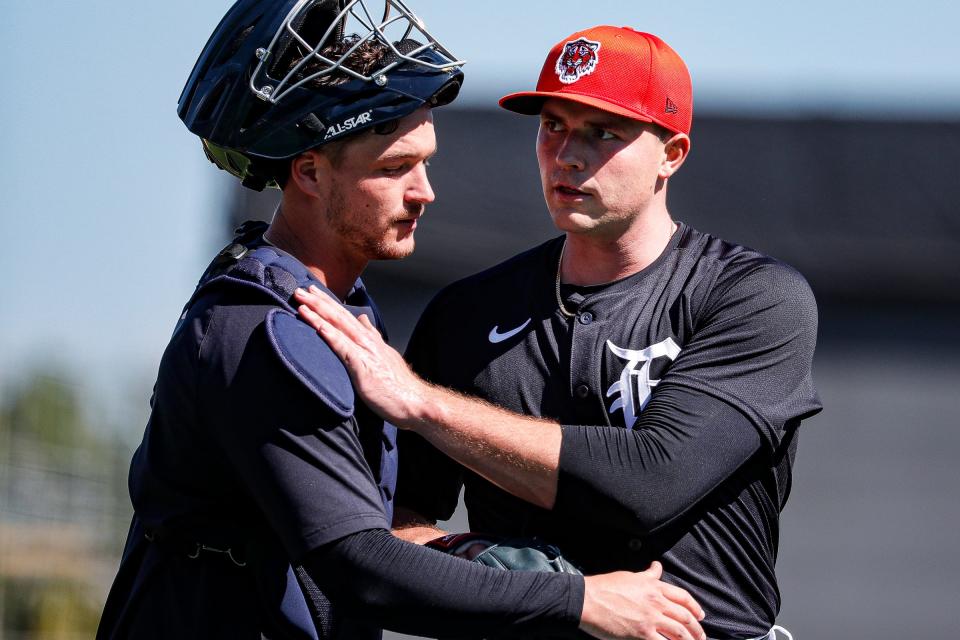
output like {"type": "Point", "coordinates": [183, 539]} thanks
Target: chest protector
{"type": "Point", "coordinates": [251, 263]}
{"type": "Point", "coordinates": [304, 611]}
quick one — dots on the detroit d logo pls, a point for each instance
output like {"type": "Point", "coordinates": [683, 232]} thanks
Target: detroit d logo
{"type": "Point", "coordinates": [634, 385]}
{"type": "Point", "coordinates": [579, 58]}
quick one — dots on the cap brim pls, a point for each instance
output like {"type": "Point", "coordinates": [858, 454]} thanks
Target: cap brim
{"type": "Point", "coordinates": [531, 102]}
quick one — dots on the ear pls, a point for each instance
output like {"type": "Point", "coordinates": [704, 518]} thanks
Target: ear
{"type": "Point", "coordinates": [308, 173]}
{"type": "Point", "coordinates": [675, 152]}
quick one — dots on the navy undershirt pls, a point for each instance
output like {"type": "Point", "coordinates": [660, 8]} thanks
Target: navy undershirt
{"type": "Point", "coordinates": [377, 577]}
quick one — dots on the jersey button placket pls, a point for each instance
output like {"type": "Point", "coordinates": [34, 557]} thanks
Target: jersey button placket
{"type": "Point", "coordinates": [581, 361]}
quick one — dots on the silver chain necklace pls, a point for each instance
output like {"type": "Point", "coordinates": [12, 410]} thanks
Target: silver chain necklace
{"type": "Point", "coordinates": [563, 310]}
{"type": "Point", "coordinates": [566, 313]}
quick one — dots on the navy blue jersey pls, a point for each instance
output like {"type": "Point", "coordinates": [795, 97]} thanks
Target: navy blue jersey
{"type": "Point", "coordinates": [255, 454]}
{"type": "Point", "coordinates": [680, 389]}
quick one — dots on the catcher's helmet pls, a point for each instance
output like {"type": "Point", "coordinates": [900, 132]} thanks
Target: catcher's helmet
{"type": "Point", "coordinates": [262, 90]}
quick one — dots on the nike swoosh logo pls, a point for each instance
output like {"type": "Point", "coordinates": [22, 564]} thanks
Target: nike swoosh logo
{"type": "Point", "coordinates": [495, 335]}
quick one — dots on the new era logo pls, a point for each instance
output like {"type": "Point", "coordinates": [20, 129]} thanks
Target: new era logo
{"type": "Point", "coordinates": [671, 107]}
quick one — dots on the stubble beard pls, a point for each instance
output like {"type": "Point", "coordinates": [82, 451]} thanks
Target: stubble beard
{"type": "Point", "coordinates": [367, 238]}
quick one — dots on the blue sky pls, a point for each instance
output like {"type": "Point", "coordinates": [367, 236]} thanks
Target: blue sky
{"type": "Point", "coordinates": [110, 210]}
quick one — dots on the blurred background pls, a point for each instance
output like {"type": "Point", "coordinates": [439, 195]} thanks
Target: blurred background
{"type": "Point", "coordinates": [826, 134]}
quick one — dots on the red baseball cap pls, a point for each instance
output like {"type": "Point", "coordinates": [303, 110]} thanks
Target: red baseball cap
{"type": "Point", "coordinates": [616, 69]}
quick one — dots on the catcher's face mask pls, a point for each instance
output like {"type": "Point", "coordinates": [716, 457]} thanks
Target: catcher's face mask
{"type": "Point", "coordinates": [279, 77]}
{"type": "Point", "coordinates": [387, 21]}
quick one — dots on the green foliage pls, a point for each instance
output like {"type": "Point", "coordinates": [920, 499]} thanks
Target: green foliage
{"type": "Point", "coordinates": [49, 609]}
{"type": "Point", "coordinates": [63, 483]}
{"type": "Point", "coordinates": [45, 408]}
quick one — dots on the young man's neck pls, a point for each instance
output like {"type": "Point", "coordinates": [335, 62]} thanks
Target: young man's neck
{"type": "Point", "coordinates": [593, 259]}
{"type": "Point", "coordinates": [315, 249]}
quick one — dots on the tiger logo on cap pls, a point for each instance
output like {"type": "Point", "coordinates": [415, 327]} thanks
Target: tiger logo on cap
{"type": "Point", "coordinates": [579, 58]}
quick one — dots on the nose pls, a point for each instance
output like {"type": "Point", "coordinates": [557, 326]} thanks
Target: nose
{"type": "Point", "coordinates": [420, 190]}
{"type": "Point", "coordinates": [570, 153]}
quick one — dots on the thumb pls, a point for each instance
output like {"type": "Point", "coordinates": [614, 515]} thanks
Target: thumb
{"type": "Point", "coordinates": [655, 570]}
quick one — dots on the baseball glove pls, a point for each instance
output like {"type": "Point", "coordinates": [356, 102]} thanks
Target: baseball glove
{"type": "Point", "coordinates": [513, 554]}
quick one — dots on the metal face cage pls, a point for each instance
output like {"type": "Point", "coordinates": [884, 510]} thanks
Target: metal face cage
{"type": "Point", "coordinates": [354, 17]}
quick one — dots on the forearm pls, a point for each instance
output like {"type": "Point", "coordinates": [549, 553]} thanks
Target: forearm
{"type": "Point", "coordinates": [412, 589]}
{"type": "Point", "coordinates": [684, 446]}
{"type": "Point", "coordinates": [519, 454]}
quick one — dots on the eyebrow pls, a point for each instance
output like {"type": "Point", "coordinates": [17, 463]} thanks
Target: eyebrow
{"type": "Point", "coordinates": [602, 123]}
{"type": "Point", "coordinates": [404, 155]}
